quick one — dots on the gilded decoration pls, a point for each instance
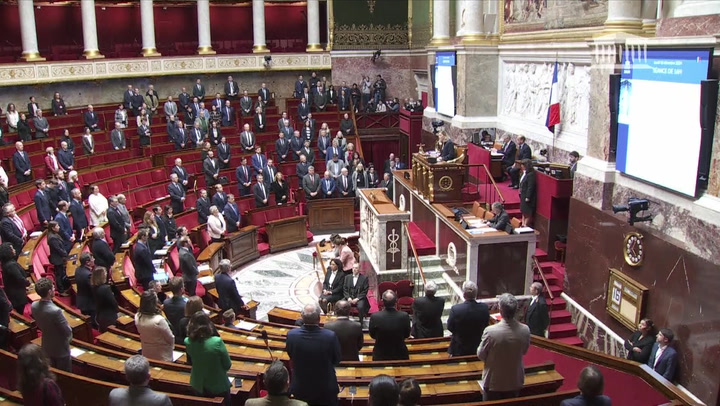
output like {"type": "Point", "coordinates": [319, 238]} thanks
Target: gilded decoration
{"type": "Point", "coordinates": [371, 36]}
{"type": "Point", "coordinates": [536, 15]}
{"type": "Point", "coordinates": [16, 73]}
{"type": "Point", "coordinates": [72, 70]}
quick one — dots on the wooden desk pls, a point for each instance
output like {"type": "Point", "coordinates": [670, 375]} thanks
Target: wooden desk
{"type": "Point", "coordinates": [480, 155]}
{"type": "Point", "coordinates": [382, 234]}
{"type": "Point", "coordinates": [241, 246]}
{"type": "Point", "coordinates": [25, 257]}
{"type": "Point", "coordinates": [438, 182]}
{"type": "Point", "coordinates": [10, 398]}
{"type": "Point", "coordinates": [332, 215]}
{"type": "Point", "coordinates": [22, 330]}
{"type": "Point", "coordinates": [287, 233]}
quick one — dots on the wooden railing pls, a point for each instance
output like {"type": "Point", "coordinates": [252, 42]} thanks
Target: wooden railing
{"type": "Point", "coordinates": [358, 145]}
{"type": "Point", "coordinates": [369, 121]}
{"type": "Point", "coordinates": [492, 192]}
{"type": "Point", "coordinates": [538, 269]}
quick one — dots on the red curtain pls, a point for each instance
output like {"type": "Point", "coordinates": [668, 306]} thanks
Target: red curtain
{"type": "Point", "coordinates": [378, 151]}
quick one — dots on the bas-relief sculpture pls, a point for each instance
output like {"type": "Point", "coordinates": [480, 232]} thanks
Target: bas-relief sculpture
{"type": "Point", "coordinates": [526, 93]}
{"type": "Point", "coordinates": [529, 15]}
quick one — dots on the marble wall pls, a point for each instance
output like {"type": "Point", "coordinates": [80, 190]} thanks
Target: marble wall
{"type": "Point", "coordinates": [477, 72]}
{"type": "Point", "coordinates": [683, 286]}
{"type": "Point", "coordinates": [688, 26]}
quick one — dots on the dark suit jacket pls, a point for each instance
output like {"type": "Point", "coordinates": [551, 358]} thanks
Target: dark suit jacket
{"type": "Point", "coordinates": [15, 280]}
{"type": "Point", "coordinates": [581, 400]}
{"type": "Point", "coordinates": [223, 152]}
{"type": "Point", "coordinates": [179, 137]}
{"type": "Point", "coordinates": [448, 151]}
{"type": "Point", "coordinates": [390, 328]}
{"type": "Point", "coordinates": [667, 363]}
{"type": "Point", "coordinates": [80, 221]}
{"type": "Point", "coordinates": [427, 313]}
{"type": "Point", "coordinates": [55, 329]}
{"type": "Point", "coordinates": [228, 116]}
{"type": "Point", "coordinates": [65, 159]}
{"type": "Point", "coordinates": [84, 297]}
{"type": "Point", "coordinates": [188, 265]}
{"type": "Point", "coordinates": [21, 161]}
{"type": "Point", "coordinates": [314, 352]}
{"type": "Point", "coordinates": [327, 188]}
{"type": "Point", "coordinates": [31, 110]}
{"type": "Point", "coordinates": [10, 233]}
{"type": "Point", "coordinates": [66, 230]}
{"type": "Point", "coordinates": [42, 206]}
{"type": "Point", "coordinates": [203, 209]}
{"type": "Point", "coordinates": [210, 171]}
{"type": "Point", "coordinates": [235, 89]}
{"type": "Point", "coordinates": [174, 309]}
{"type": "Point", "coordinates": [257, 120]}
{"type": "Point", "coordinates": [118, 231]}
{"type": "Point", "coordinates": [257, 191]}
{"type": "Point", "coordinates": [467, 322]}
{"type": "Point", "coordinates": [528, 191]}
{"type": "Point", "coordinates": [142, 259]}
{"type": "Point", "coordinates": [199, 93]}
{"type": "Point", "coordinates": [117, 137]}
{"type": "Point", "coordinates": [282, 148]}
{"type": "Point", "coordinates": [501, 222]}
{"type": "Point", "coordinates": [509, 151]}
{"type": "Point", "coordinates": [228, 296]}
{"type": "Point", "coordinates": [103, 254]}
{"type": "Point", "coordinates": [537, 317]}
{"type": "Point", "coordinates": [387, 185]}
{"type": "Point", "coordinates": [524, 152]}
{"type": "Point", "coordinates": [231, 217]}
{"type": "Point", "coordinates": [645, 346]}
{"type": "Point", "coordinates": [176, 192]}
{"type": "Point", "coordinates": [359, 291]}
{"type": "Point", "coordinates": [220, 200]}
{"type": "Point", "coordinates": [350, 335]}
{"type": "Point", "coordinates": [247, 143]}
{"type": "Point", "coordinates": [90, 119]}
{"type": "Point", "coordinates": [336, 287]}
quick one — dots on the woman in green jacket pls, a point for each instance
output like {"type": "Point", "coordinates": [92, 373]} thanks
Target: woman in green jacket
{"type": "Point", "coordinates": [210, 359]}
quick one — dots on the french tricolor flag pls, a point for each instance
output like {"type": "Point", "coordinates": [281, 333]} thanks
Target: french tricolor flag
{"type": "Point", "coordinates": [553, 114]}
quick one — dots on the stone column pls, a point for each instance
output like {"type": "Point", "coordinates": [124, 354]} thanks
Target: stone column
{"type": "Point", "coordinates": [204, 41]}
{"type": "Point", "coordinates": [27, 32]}
{"type": "Point", "coordinates": [91, 51]}
{"type": "Point", "coordinates": [258, 8]}
{"type": "Point", "coordinates": [458, 17]}
{"type": "Point", "coordinates": [147, 22]}
{"type": "Point", "coordinates": [624, 16]}
{"type": "Point", "coordinates": [313, 22]}
{"type": "Point", "coordinates": [472, 22]}
{"type": "Point", "coordinates": [649, 16]}
{"type": "Point", "coordinates": [441, 23]}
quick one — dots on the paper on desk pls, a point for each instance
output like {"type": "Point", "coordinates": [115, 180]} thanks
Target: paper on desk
{"type": "Point", "coordinates": [242, 324]}
{"type": "Point", "coordinates": [35, 234]}
{"type": "Point", "coordinates": [76, 352]}
{"type": "Point", "coordinates": [161, 253]}
{"type": "Point", "coordinates": [206, 311]}
{"type": "Point", "coordinates": [157, 262]}
{"type": "Point", "coordinates": [231, 380]}
{"type": "Point", "coordinates": [203, 267]}
{"type": "Point", "coordinates": [206, 279]}
{"type": "Point", "coordinates": [523, 230]}
{"type": "Point", "coordinates": [177, 355]}
{"type": "Point", "coordinates": [478, 231]}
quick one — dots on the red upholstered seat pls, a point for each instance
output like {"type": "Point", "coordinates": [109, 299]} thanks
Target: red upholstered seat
{"type": "Point", "coordinates": [405, 295]}
{"type": "Point", "coordinates": [309, 235]}
{"type": "Point", "coordinates": [382, 287]}
{"type": "Point", "coordinates": [264, 248]}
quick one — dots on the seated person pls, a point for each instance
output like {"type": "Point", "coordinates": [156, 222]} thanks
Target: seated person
{"type": "Point", "coordinates": [501, 220]}
{"type": "Point", "coordinates": [591, 385]}
{"type": "Point", "coordinates": [229, 318]}
{"type": "Point", "coordinates": [332, 289]}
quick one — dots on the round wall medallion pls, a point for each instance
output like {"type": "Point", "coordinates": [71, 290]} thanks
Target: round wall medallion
{"type": "Point", "coordinates": [451, 254]}
{"type": "Point", "coordinates": [445, 183]}
{"type": "Point", "coordinates": [401, 203]}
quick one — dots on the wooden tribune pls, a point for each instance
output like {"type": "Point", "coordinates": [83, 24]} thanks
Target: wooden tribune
{"type": "Point", "coordinates": [438, 182]}
{"type": "Point", "coordinates": [241, 246]}
{"type": "Point", "coordinates": [332, 215]}
{"type": "Point", "coordinates": [287, 233]}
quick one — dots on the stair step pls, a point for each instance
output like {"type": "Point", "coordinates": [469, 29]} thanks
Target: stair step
{"type": "Point", "coordinates": [560, 317]}
{"type": "Point", "coordinates": [562, 330]}
{"type": "Point", "coordinates": [540, 254]}
{"type": "Point", "coordinates": [576, 341]}
{"type": "Point", "coordinates": [559, 304]}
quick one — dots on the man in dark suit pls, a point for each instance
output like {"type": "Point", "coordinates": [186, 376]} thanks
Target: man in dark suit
{"type": "Point", "coordinates": [231, 88]}
{"type": "Point", "coordinates": [220, 198]}
{"type": "Point", "coordinates": [355, 289]}
{"type": "Point", "coordinates": [188, 266]}
{"type": "Point", "coordinates": [427, 313]}
{"type": "Point", "coordinates": [77, 211]}
{"type": "Point", "coordinates": [66, 231]}
{"type": "Point", "coordinates": [243, 174]}
{"type": "Point", "coordinates": [389, 328]}
{"type": "Point", "coordinates": [33, 107]}
{"type": "Point", "coordinates": [345, 186]}
{"type": "Point", "coordinates": [91, 119]}
{"type": "Point", "coordinates": [223, 153]}
{"type": "Point", "coordinates": [258, 160]}
{"type": "Point", "coordinates": [199, 90]}
{"type": "Point", "coordinates": [537, 317]}
{"type": "Point", "coordinates": [448, 148]}
{"type": "Point", "coordinates": [177, 194]}
{"type": "Point", "coordinates": [348, 332]}
{"type": "Point", "coordinates": [247, 139]}
{"type": "Point", "coordinates": [387, 184]}
{"type": "Point", "coordinates": [174, 307]}
{"type": "Point", "coordinates": [12, 229]}
{"type": "Point", "coordinates": [231, 213]}
{"type": "Point", "coordinates": [183, 99]}
{"type": "Point", "coordinates": [327, 185]}
{"type": "Point", "coordinates": [299, 85]}
{"type": "Point", "coordinates": [523, 152]}
{"type": "Point", "coordinates": [203, 207]}
{"type": "Point", "coordinates": [227, 114]}
{"type": "Point", "coordinates": [128, 98]}
{"type": "Point", "coordinates": [314, 353]}
{"type": "Point", "coordinates": [259, 121]}
{"type": "Point", "coordinates": [179, 136]}
{"type": "Point", "coordinates": [118, 231]}
{"type": "Point", "coordinates": [264, 93]}
{"type": "Point", "coordinates": [282, 148]}
{"type": "Point", "coordinates": [21, 162]}
{"type": "Point", "coordinates": [55, 329]}
{"type": "Point", "coordinates": [332, 289]}
{"type": "Point", "coordinates": [211, 168]}
{"type": "Point", "coordinates": [509, 150]}
{"type": "Point", "coordinates": [84, 299]}
{"type": "Point", "coordinates": [142, 259]}
{"type": "Point", "coordinates": [261, 192]}
{"type": "Point", "coordinates": [311, 184]}
{"type": "Point", "coordinates": [228, 296]}
{"type": "Point", "coordinates": [245, 104]}
{"type": "Point", "coordinates": [42, 203]}
{"type": "Point", "coordinates": [268, 172]}
{"type": "Point", "coordinates": [303, 110]}
{"type": "Point", "coordinates": [590, 382]}
{"type": "Point", "coordinates": [181, 172]}
{"type": "Point", "coordinates": [101, 249]}
{"type": "Point", "coordinates": [65, 157]}
{"type": "Point", "coordinates": [501, 220]}
{"type": "Point", "coordinates": [467, 322]}
{"type": "Point", "coordinates": [296, 144]}
{"type": "Point", "coordinates": [663, 357]}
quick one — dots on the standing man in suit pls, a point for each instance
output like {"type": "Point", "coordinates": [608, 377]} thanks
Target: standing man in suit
{"type": "Point", "coordinates": [332, 289]}
{"type": "Point", "coordinates": [663, 357]}
{"type": "Point", "coordinates": [197, 135]}
{"type": "Point", "coordinates": [21, 162]}
{"type": "Point", "coordinates": [42, 127]}
{"type": "Point", "coordinates": [311, 184]}
{"type": "Point", "coordinates": [259, 160]}
{"type": "Point", "coordinates": [231, 213]}
{"type": "Point", "coordinates": [170, 107]}
{"type": "Point", "coordinates": [33, 107]}
{"type": "Point", "coordinates": [142, 259]}
{"type": "Point", "coordinates": [466, 322]}
{"type": "Point", "coordinates": [502, 348]}
{"type": "Point", "coordinates": [355, 289]}
{"type": "Point", "coordinates": [299, 85]}
{"type": "Point", "coordinates": [84, 299]}
{"type": "Point", "coordinates": [179, 136]}
{"type": "Point", "coordinates": [264, 94]}
{"type": "Point", "coordinates": [218, 102]}
{"type": "Point", "coordinates": [184, 99]}
{"type": "Point", "coordinates": [223, 153]}
{"type": "Point", "coordinates": [137, 372]}
{"type": "Point", "coordinates": [303, 110]}
{"type": "Point", "coordinates": [66, 231]}
{"type": "Point", "coordinates": [261, 191]}
{"type": "Point", "coordinates": [228, 296]}
{"type": "Point", "coordinates": [91, 119]}
{"type": "Point", "coordinates": [42, 203]}
{"type": "Point", "coordinates": [314, 353]}
{"type": "Point", "coordinates": [282, 147]}
{"type": "Point", "coordinates": [574, 158]}
{"type": "Point", "coordinates": [427, 313]}
{"type": "Point", "coordinates": [219, 199]}
{"type": "Point", "coordinates": [188, 266]}
{"type": "Point", "coordinates": [199, 90]}
{"type": "Point", "coordinates": [128, 98]}
{"type": "Point", "coordinates": [246, 105]}
{"type": "Point", "coordinates": [65, 157]}
{"type": "Point", "coordinates": [296, 144]}
{"type": "Point", "coordinates": [118, 231]}
{"type": "Point", "coordinates": [523, 152]}
{"type": "Point", "coordinates": [537, 317]}
{"type": "Point", "coordinates": [243, 174]}
{"type": "Point", "coordinates": [211, 168]}
{"type": "Point", "coordinates": [528, 193]}
{"type": "Point", "coordinates": [448, 148]}
{"type": "Point", "coordinates": [348, 332]}
{"type": "Point", "coordinates": [501, 220]}
{"type": "Point", "coordinates": [56, 332]}
{"type": "Point", "coordinates": [231, 88]}
{"type": "Point", "coordinates": [387, 184]}
{"type": "Point", "coordinates": [117, 137]}
{"type": "Point", "coordinates": [203, 207]}
{"type": "Point", "coordinates": [268, 172]}
{"type": "Point", "coordinates": [101, 249]}
{"type": "Point", "coordinates": [227, 115]}
{"type": "Point", "coordinates": [247, 139]}
{"type": "Point", "coordinates": [177, 194]}
{"type": "Point", "coordinates": [390, 328]}
{"type": "Point", "coordinates": [345, 186]}
{"type": "Point", "coordinates": [77, 211]}
{"type": "Point", "coordinates": [12, 229]}
{"type": "Point", "coordinates": [327, 185]}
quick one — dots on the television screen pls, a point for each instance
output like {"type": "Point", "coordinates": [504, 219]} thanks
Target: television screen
{"type": "Point", "coordinates": [444, 83]}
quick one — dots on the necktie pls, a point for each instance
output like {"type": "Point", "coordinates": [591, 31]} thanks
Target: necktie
{"type": "Point", "coordinates": [245, 172]}
{"type": "Point", "coordinates": [262, 188]}
{"type": "Point", "coordinates": [19, 224]}
{"type": "Point", "coordinates": [345, 182]}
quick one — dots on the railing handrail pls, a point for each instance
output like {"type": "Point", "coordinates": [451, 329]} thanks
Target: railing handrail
{"type": "Point", "coordinates": [497, 190]}
{"type": "Point", "coordinates": [358, 145]}
{"type": "Point", "coordinates": [412, 246]}
{"type": "Point", "coordinates": [537, 266]}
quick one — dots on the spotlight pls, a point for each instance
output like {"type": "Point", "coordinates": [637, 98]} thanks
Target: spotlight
{"type": "Point", "coordinates": [634, 206]}
{"type": "Point", "coordinates": [376, 56]}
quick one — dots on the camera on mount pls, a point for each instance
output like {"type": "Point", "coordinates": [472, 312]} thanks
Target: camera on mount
{"type": "Point", "coordinates": [634, 206]}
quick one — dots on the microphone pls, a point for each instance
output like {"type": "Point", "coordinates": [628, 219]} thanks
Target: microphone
{"type": "Point", "coordinates": [264, 336]}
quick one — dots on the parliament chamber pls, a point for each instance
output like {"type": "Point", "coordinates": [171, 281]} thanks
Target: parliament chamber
{"type": "Point", "coordinates": [485, 142]}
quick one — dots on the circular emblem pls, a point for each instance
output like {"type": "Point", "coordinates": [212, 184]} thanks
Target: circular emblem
{"type": "Point", "coordinates": [401, 203]}
{"type": "Point", "coordinates": [633, 249]}
{"type": "Point", "coordinates": [451, 254]}
{"type": "Point", "coordinates": [445, 183]}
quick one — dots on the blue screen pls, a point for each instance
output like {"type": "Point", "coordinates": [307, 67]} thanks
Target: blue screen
{"type": "Point", "coordinates": [444, 86]}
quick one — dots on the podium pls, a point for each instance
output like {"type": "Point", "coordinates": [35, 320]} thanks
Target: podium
{"type": "Point", "coordinates": [382, 234]}
{"type": "Point", "coordinates": [553, 208]}
{"type": "Point", "coordinates": [438, 181]}
{"type": "Point", "coordinates": [241, 246]}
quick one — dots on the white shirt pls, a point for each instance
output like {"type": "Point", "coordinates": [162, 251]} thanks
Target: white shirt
{"type": "Point", "coordinates": [332, 278]}
{"type": "Point", "coordinates": [534, 299]}
{"type": "Point", "coordinates": [355, 279]}
{"type": "Point", "coordinates": [658, 354]}
{"type": "Point", "coordinates": [3, 176]}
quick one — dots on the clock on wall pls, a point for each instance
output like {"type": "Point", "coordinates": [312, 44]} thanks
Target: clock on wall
{"type": "Point", "coordinates": [634, 249]}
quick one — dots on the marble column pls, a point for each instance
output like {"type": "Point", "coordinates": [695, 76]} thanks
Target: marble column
{"type": "Point", "coordinates": [27, 32]}
{"type": "Point", "coordinates": [649, 16]}
{"type": "Point", "coordinates": [91, 51]}
{"type": "Point", "coordinates": [458, 17]}
{"type": "Point", "coordinates": [204, 41]}
{"type": "Point", "coordinates": [472, 22]}
{"type": "Point", "coordinates": [147, 22]}
{"type": "Point", "coordinates": [313, 21]}
{"type": "Point", "coordinates": [258, 8]}
{"type": "Point", "coordinates": [441, 23]}
{"type": "Point", "coordinates": [624, 16]}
